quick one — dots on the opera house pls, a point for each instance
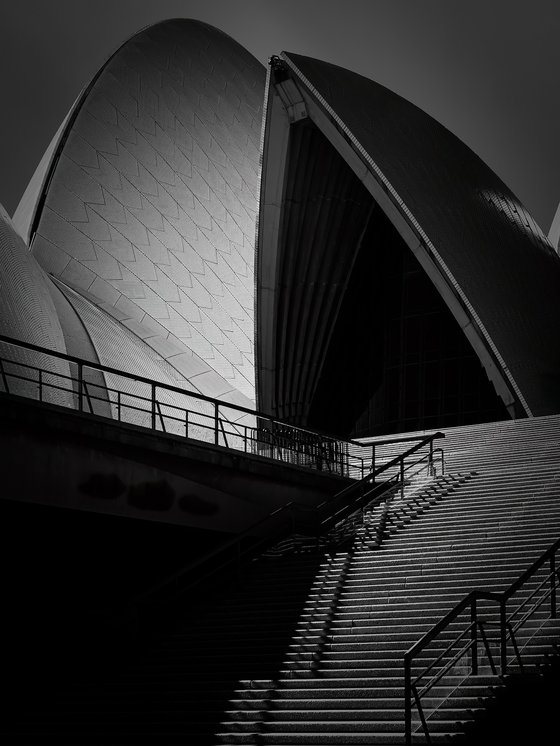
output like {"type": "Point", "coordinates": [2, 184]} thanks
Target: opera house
{"type": "Point", "coordinates": [222, 285]}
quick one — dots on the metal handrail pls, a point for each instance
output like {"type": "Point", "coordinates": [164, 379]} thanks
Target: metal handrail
{"type": "Point", "coordinates": [343, 523]}
{"type": "Point", "coordinates": [82, 388]}
{"type": "Point", "coordinates": [396, 479]}
{"type": "Point", "coordinates": [272, 437]}
{"type": "Point", "coordinates": [397, 460]}
{"type": "Point", "coordinates": [476, 626]}
{"type": "Point", "coordinates": [255, 530]}
{"type": "Point", "coordinates": [262, 445]}
{"type": "Point", "coordinates": [343, 461]}
{"type": "Point", "coordinates": [272, 440]}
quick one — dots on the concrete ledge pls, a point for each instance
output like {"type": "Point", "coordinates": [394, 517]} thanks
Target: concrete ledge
{"type": "Point", "coordinates": [87, 462]}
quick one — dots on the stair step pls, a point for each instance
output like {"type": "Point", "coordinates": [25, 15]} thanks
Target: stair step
{"type": "Point", "coordinates": [308, 649]}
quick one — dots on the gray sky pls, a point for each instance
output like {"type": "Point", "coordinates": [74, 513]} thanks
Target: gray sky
{"type": "Point", "coordinates": [488, 70]}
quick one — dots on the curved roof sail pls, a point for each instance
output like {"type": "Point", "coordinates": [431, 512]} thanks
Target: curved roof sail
{"type": "Point", "coordinates": [146, 201]}
{"type": "Point", "coordinates": [491, 265]}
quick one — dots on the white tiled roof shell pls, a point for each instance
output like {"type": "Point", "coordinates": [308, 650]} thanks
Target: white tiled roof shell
{"type": "Point", "coordinates": [554, 233]}
{"type": "Point", "coordinates": [111, 342]}
{"type": "Point", "coordinates": [152, 199]}
{"type": "Point", "coordinates": [28, 313]}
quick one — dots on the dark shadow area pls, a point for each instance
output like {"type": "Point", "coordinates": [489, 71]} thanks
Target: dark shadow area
{"type": "Point", "coordinates": [103, 486]}
{"type": "Point", "coordinates": [524, 711]}
{"type": "Point", "coordinates": [366, 343]}
{"type": "Point", "coordinates": [67, 576]}
{"type": "Point", "coordinates": [152, 495]}
{"type": "Point", "coordinates": [176, 686]}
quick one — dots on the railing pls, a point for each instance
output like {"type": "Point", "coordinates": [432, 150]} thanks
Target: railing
{"type": "Point", "coordinates": [339, 523]}
{"type": "Point", "coordinates": [52, 377]}
{"type": "Point", "coordinates": [474, 630]}
{"type": "Point", "coordinates": [398, 469]}
{"type": "Point", "coordinates": [293, 518]}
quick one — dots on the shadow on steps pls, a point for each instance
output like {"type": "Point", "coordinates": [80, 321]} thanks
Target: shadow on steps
{"type": "Point", "coordinates": [524, 711]}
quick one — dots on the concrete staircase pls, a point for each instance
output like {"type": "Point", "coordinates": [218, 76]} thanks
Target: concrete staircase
{"type": "Point", "coordinates": [309, 648]}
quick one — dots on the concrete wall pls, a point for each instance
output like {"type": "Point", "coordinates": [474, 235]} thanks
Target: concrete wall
{"type": "Point", "coordinates": [60, 458]}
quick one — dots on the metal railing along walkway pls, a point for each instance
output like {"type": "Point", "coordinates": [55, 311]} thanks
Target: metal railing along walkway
{"type": "Point", "coordinates": [95, 389]}
{"type": "Point", "coordinates": [470, 627]}
{"type": "Point", "coordinates": [91, 388]}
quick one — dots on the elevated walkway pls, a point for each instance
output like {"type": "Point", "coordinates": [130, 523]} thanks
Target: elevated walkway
{"type": "Point", "coordinates": [90, 463]}
{"type": "Point", "coordinates": [107, 441]}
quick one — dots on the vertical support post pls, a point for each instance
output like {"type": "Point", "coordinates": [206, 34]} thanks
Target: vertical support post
{"type": "Point", "coordinates": [503, 638]}
{"type": "Point", "coordinates": [407, 701]}
{"type": "Point", "coordinates": [372, 460]}
{"type": "Point", "coordinates": [216, 422]}
{"type": "Point", "coordinates": [186, 423]}
{"type": "Point", "coordinates": [245, 438]}
{"type": "Point", "coordinates": [474, 638]}
{"type": "Point", "coordinates": [118, 406]}
{"type": "Point", "coordinates": [80, 387]}
{"type": "Point", "coordinates": [40, 384]}
{"type": "Point", "coordinates": [553, 586]}
{"type": "Point", "coordinates": [153, 406]}
{"type": "Point", "coordinates": [431, 459]}
{"type": "Point", "coordinates": [4, 377]}
{"type": "Point", "coordinates": [402, 478]}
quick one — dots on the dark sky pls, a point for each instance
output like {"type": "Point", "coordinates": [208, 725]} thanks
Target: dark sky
{"type": "Point", "coordinates": [489, 70]}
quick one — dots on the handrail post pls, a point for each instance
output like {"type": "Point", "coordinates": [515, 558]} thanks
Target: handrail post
{"type": "Point", "coordinates": [553, 585]}
{"type": "Point", "coordinates": [431, 459]}
{"type": "Point", "coordinates": [503, 638]}
{"type": "Point", "coordinates": [407, 701]}
{"type": "Point", "coordinates": [80, 387]}
{"type": "Point", "coordinates": [153, 406]}
{"type": "Point", "coordinates": [372, 460]}
{"type": "Point", "coordinates": [474, 638]}
{"type": "Point", "coordinates": [216, 423]}
{"type": "Point", "coordinates": [402, 478]}
{"type": "Point", "coordinates": [4, 377]}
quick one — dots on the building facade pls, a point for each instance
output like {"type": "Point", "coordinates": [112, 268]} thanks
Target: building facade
{"type": "Point", "coordinates": [143, 211]}
{"type": "Point", "coordinates": [399, 284]}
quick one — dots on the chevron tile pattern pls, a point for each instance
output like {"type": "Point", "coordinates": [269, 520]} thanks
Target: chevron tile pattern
{"type": "Point", "coordinates": [153, 199]}
{"type": "Point", "coordinates": [27, 312]}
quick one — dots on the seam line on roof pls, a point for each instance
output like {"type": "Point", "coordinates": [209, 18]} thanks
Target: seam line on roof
{"type": "Point", "coordinates": [257, 252]}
